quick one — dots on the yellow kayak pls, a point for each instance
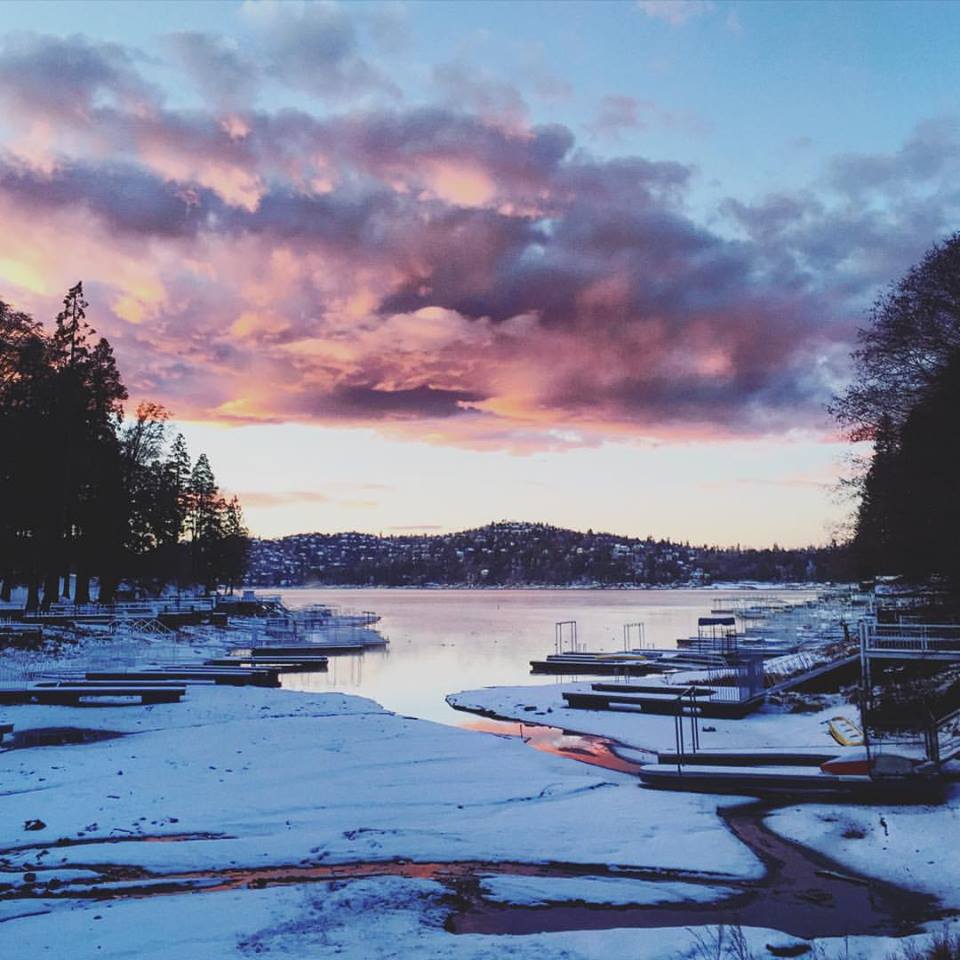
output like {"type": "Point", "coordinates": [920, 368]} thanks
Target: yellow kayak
{"type": "Point", "coordinates": [845, 732]}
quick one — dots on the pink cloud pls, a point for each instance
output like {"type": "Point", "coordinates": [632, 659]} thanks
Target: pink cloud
{"type": "Point", "coordinates": [442, 273]}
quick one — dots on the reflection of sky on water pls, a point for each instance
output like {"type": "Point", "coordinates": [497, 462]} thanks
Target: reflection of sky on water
{"type": "Point", "coordinates": [442, 641]}
{"type": "Point", "coordinates": [597, 751]}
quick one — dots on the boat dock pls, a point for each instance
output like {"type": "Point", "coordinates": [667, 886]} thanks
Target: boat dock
{"type": "Point", "coordinates": [72, 692]}
{"type": "Point", "coordinates": [305, 650]}
{"type": "Point", "coordinates": [712, 702]}
{"type": "Point", "coordinates": [227, 676]}
{"type": "Point", "coordinates": [789, 780]}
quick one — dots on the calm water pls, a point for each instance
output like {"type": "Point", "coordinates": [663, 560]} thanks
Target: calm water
{"type": "Point", "coordinates": [442, 641]}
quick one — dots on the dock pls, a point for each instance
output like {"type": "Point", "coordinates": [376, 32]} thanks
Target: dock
{"type": "Point", "coordinates": [635, 663]}
{"type": "Point", "coordinates": [228, 676]}
{"type": "Point", "coordinates": [581, 666]}
{"type": "Point", "coordinates": [303, 650]}
{"type": "Point", "coordinates": [665, 702]}
{"type": "Point", "coordinates": [281, 664]}
{"type": "Point", "coordinates": [71, 693]}
{"type": "Point", "coordinates": [745, 758]}
{"type": "Point", "coordinates": [793, 781]}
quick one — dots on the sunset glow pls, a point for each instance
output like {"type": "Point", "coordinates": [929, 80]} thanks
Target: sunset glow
{"type": "Point", "coordinates": [464, 255]}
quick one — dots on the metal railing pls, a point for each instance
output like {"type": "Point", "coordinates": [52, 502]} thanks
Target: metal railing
{"type": "Point", "coordinates": [911, 637]}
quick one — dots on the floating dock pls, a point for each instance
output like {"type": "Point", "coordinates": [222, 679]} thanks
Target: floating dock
{"type": "Point", "coordinates": [229, 676]}
{"type": "Point", "coordinates": [790, 780]}
{"type": "Point", "coordinates": [281, 664]}
{"type": "Point", "coordinates": [666, 702]}
{"type": "Point", "coordinates": [305, 650]}
{"type": "Point", "coordinates": [70, 693]}
{"type": "Point", "coordinates": [584, 666]}
{"type": "Point", "coordinates": [745, 758]}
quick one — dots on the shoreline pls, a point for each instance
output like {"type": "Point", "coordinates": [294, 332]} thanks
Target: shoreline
{"type": "Point", "coordinates": [313, 812]}
{"type": "Point", "coordinates": [792, 586]}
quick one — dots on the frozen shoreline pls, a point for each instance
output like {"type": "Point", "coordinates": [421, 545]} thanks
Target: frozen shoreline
{"type": "Point", "coordinates": [900, 844]}
{"type": "Point", "coordinates": [256, 779]}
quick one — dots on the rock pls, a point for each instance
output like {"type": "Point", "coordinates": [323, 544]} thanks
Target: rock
{"type": "Point", "coordinates": [34, 825]}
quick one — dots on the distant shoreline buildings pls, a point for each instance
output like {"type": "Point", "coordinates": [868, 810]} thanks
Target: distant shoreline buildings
{"type": "Point", "coordinates": [526, 554]}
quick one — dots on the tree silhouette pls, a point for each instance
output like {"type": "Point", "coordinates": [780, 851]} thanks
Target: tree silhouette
{"type": "Point", "coordinates": [83, 492]}
{"type": "Point", "coordinates": [905, 397]}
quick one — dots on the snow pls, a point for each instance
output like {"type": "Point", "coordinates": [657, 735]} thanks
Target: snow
{"type": "Point", "coordinates": [770, 727]}
{"type": "Point", "coordinates": [252, 778]}
{"type": "Point", "coordinates": [911, 845]}
{"type": "Point", "coordinates": [910, 851]}
{"type": "Point", "coordinates": [282, 778]}
{"type": "Point", "coordinates": [287, 776]}
{"type": "Point", "coordinates": [373, 919]}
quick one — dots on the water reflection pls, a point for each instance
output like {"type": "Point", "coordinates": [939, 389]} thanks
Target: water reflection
{"type": "Point", "coordinates": [443, 641]}
{"type": "Point", "coordinates": [597, 751]}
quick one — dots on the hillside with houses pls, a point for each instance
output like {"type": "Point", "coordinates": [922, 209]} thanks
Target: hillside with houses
{"type": "Point", "coordinates": [526, 554]}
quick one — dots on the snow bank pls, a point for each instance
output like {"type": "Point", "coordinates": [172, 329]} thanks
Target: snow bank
{"type": "Point", "coordinates": [915, 846]}
{"type": "Point", "coordinates": [770, 727]}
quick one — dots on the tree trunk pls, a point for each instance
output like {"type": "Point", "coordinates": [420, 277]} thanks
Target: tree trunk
{"type": "Point", "coordinates": [66, 584]}
{"type": "Point", "coordinates": [6, 591]}
{"type": "Point", "coordinates": [33, 593]}
{"type": "Point", "coordinates": [82, 592]}
{"type": "Point", "coordinates": [108, 588]}
{"type": "Point", "coordinates": [51, 589]}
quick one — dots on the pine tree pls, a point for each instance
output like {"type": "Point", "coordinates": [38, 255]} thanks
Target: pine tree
{"type": "Point", "coordinates": [81, 490]}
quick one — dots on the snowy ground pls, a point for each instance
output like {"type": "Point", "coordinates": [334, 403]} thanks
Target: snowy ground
{"type": "Point", "coordinates": [902, 844]}
{"type": "Point", "coordinates": [910, 845]}
{"type": "Point", "coordinates": [770, 727]}
{"type": "Point", "coordinates": [272, 778]}
{"type": "Point", "coordinates": [386, 918]}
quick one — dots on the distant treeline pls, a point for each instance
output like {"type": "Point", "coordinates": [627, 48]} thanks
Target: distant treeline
{"type": "Point", "coordinates": [905, 398]}
{"type": "Point", "coordinates": [84, 493]}
{"type": "Point", "coordinates": [518, 554]}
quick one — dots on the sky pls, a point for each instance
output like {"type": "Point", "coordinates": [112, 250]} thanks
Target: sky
{"type": "Point", "coordinates": [420, 266]}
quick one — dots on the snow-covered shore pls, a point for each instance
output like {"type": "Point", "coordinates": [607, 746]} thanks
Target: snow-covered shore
{"type": "Point", "coordinates": [244, 779]}
{"type": "Point", "coordinates": [909, 845]}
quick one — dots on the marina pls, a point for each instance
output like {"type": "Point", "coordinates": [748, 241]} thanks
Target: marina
{"type": "Point", "coordinates": [708, 720]}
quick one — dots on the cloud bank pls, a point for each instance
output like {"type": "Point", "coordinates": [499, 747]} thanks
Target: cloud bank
{"type": "Point", "coordinates": [454, 271]}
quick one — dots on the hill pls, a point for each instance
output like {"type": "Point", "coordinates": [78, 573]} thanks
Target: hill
{"type": "Point", "coordinates": [525, 554]}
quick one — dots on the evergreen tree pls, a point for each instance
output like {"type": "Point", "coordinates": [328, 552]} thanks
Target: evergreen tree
{"type": "Point", "coordinates": [905, 397]}
{"type": "Point", "coordinates": [82, 491]}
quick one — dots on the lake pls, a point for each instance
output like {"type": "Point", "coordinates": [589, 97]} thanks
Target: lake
{"type": "Point", "coordinates": [442, 641]}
